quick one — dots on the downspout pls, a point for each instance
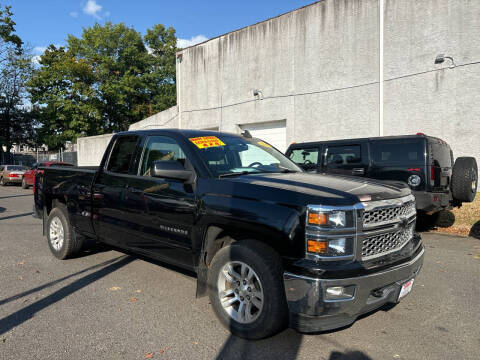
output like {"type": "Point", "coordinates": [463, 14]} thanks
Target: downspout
{"type": "Point", "coordinates": [380, 65]}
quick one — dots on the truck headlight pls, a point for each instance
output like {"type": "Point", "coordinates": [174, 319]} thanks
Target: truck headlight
{"type": "Point", "coordinates": [330, 232]}
{"type": "Point", "coordinates": [330, 247]}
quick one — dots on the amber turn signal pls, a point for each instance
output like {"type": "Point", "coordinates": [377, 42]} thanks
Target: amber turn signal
{"type": "Point", "coordinates": [318, 219]}
{"type": "Point", "coordinates": [317, 247]}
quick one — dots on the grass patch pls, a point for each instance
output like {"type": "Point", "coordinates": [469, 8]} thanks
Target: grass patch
{"type": "Point", "coordinates": [465, 219]}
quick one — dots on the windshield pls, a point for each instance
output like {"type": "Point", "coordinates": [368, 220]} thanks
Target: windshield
{"type": "Point", "coordinates": [15, 168]}
{"type": "Point", "coordinates": [227, 154]}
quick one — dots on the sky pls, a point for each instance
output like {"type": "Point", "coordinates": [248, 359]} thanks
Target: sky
{"type": "Point", "coordinates": [44, 22]}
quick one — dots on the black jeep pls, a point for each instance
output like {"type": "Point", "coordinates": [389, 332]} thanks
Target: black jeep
{"type": "Point", "coordinates": [424, 162]}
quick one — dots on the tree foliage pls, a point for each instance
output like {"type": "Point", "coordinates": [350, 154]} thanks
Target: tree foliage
{"type": "Point", "coordinates": [103, 81]}
{"type": "Point", "coordinates": [16, 120]}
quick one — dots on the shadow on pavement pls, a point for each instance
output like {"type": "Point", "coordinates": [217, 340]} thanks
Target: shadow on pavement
{"type": "Point", "coordinates": [350, 355]}
{"type": "Point", "coordinates": [22, 315]}
{"type": "Point", "coordinates": [475, 230]}
{"type": "Point", "coordinates": [13, 196]}
{"type": "Point", "coordinates": [2, 209]}
{"type": "Point", "coordinates": [52, 283]}
{"type": "Point", "coordinates": [282, 346]}
{"type": "Point", "coordinates": [15, 216]}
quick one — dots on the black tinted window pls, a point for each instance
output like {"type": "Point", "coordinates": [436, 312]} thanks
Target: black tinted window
{"type": "Point", "coordinates": [339, 156]}
{"type": "Point", "coordinates": [122, 154]}
{"type": "Point", "coordinates": [406, 151]}
{"type": "Point", "coordinates": [160, 148]}
{"type": "Point", "coordinates": [440, 154]}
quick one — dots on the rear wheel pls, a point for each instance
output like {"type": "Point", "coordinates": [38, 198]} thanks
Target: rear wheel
{"type": "Point", "coordinates": [464, 179]}
{"type": "Point", "coordinates": [2, 182]}
{"type": "Point", "coordinates": [246, 289]}
{"type": "Point", "coordinates": [62, 240]}
{"type": "Point", "coordinates": [24, 183]}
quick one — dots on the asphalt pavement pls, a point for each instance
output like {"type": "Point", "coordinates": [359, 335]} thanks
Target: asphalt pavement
{"type": "Point", "coordinates": [108, 305]}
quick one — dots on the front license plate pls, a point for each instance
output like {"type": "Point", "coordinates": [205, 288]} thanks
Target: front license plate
{"type": "Point", "coordinates": [406, 288]}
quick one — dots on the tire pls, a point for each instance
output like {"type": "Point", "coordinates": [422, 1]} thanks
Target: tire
{"type": "Point", "coordinates": [444, 218]}
{"type": "Point", "coordinates": [464, 179]}
{"type": "Point", "coordinates": [24, 183]}
{"type": "Point", "coordinates": [263, 297]}
{"type": "Point", "coordinates": [62, 240]}
{"type": "Point", "coordinates": [3, 182]}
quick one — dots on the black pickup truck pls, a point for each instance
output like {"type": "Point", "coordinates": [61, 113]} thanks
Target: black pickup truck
{"type": "Point", "coordinates": [270, 244]}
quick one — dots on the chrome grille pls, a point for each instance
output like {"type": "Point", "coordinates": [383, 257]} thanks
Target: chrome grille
{"type": "Point", "coordinates": [387, 226]}
{"type": "Point", "coordinates": [389, 214]}
{"type": "Point", "coordinates": [387, 242]}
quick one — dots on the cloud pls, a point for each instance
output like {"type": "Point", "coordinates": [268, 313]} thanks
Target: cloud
{"type": "Point", "coordinates": [74, 14]}
{"type": "Point", "coordinates": [93, 9]}
{"type": "Point", "coordinates": [39, 49]}
{"type": "Point", "coordinates": [183, 43]}
{"type": "Point", "coordinates": [36, 59]}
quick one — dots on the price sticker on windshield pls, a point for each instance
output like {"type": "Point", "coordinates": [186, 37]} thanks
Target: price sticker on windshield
{"type": "Point", "coordinates": [204, 142]}
{"type": "Point", "coordinates": [264, 144]}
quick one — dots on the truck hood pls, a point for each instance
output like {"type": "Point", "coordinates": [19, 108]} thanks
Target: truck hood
{"type": "Point", "coordinates": [303, 188]}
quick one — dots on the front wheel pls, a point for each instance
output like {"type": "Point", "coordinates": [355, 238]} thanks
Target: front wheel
{"type": "Point", "coordinates": [24, 184]}
{"type": "Point", "coordinates": [62, 240]}
{"type": "Point", "coordinates": [246, 289]}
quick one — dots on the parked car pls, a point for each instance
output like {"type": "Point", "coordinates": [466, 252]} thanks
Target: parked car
{"type": "Point", "coordinates": [424, 162]}
{"type": "Point", "coordinates": [270, 244]}
{"type": "Point", "coordinates": [11, 174]}
{"type": "Point", "coordinates": [28, 178]}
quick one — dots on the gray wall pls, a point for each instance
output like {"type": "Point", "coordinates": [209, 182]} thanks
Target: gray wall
{"type": "Point", "coordinates": [328, 45]}
{"type": "Point", "coordinates": [318, 67]}
{"type": "Point", "coordinates": [90, 149]}
{"type": "Point", "coordinates": [443, 103]}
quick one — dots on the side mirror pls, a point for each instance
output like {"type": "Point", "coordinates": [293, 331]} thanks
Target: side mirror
{"type": "Point", "coordinates": [170, 169]}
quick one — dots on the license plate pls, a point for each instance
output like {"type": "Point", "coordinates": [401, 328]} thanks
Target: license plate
{"type": "Point", "coordinates": [406, 288]}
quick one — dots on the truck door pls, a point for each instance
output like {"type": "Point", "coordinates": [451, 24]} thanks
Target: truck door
{"type": "Point", "coordinates": [345, 159]}
{"type": "Point", "coordinates": [114, 217]}
{"type": "Point", "coordinates": [166, 207]}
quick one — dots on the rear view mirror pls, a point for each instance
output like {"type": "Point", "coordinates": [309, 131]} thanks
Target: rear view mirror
{"type": "Point", "coordinates": [170, 170]}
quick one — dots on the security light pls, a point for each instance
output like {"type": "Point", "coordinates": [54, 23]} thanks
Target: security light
{"type": "Point", "coordinates": [441, 58]}
{"type": "Point", "coordinates": [258, 93]}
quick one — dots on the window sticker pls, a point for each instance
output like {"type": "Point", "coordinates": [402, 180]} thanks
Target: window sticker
{"type": "Point", "coordinates": [204, 142]}
{"type": "Point", "coordinates": [263, 143]}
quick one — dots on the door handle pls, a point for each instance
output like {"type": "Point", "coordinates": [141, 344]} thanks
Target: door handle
{"type": "Point", "coordinates": [135, 190]}
{"type": "Point", "coordinates": [358, 171]}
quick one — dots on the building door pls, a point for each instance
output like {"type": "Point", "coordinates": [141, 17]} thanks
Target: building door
{"type": "Point", "coordinates": [272, 132]}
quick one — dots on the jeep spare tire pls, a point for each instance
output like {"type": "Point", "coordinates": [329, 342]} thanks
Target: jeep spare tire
{"type": "Point", "coordinates": [465, 179]}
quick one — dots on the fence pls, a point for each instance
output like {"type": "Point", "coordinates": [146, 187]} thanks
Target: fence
{"type": "Point", "coordinates": [28, 159]}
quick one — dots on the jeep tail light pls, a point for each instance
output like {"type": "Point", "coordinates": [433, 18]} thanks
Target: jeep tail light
{"type": "Point", "coordinates": [432, 173]}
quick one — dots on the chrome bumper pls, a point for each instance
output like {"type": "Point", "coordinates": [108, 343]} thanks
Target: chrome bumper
{"type": "Point", "coordinates": [310, 311]}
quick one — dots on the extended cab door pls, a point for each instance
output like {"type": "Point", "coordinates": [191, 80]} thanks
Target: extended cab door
{"type": "Point", "coordinates": [346, 158]}
{"type": "Point", "coordinates": [114, 217]}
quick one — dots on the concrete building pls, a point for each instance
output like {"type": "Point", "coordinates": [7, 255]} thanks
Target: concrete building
{"type": "Point", "coordinates": [338, 69]}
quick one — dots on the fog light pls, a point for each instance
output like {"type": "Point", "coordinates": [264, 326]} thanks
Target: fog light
{"type": "Point", "coordinates": [340, 292]}
{"type": "Point", "coordinates": [335, 291]}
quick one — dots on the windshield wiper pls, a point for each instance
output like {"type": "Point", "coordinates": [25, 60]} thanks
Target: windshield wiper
{"type": "Point", "coordinates": [235, 174]}
{"type": "Point", "coordinates": [288, 171]}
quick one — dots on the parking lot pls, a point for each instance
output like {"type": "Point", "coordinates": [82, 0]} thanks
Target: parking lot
{"type": "Point", "coordinates": [108, 305]}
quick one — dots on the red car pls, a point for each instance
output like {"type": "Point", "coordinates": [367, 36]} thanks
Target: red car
{"type": "Point", "coordinates": [29, 176]}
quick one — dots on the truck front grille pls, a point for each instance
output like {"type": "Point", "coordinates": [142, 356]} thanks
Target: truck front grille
{"type": "Point", "coordinates": [385, 243]}
{"type": "Point", "coordinates": [388, 214]}
{"type": "Point", "coordinates": [388, 225]}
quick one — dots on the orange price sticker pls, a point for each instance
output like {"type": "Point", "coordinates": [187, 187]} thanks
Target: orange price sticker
{"type": "Point", "coordinates": [204, 142]}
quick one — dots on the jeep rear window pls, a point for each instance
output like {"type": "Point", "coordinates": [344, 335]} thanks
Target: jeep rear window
{"type": "Point", "coordinates": [440, 154]}
{"type": "Point", "coordinates": [401, 151]}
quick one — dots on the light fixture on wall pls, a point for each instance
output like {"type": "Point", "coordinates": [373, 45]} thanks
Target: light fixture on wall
{"type": "Point", "coordinates": [441, 58]}
{"type": "Point", "coordinates": [258, 93]}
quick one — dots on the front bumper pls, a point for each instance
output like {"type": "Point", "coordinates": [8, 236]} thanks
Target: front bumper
{"type": "Point", "coordinates": [310, 311]}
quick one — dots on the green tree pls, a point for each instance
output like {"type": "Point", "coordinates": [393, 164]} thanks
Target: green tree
{"type": "Point", "coordinates": [103, 81]}
{"type": "Point", "coordinates": [16, 121]}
